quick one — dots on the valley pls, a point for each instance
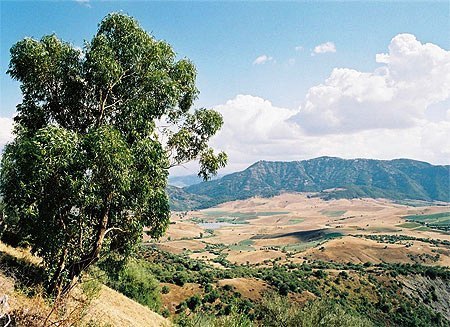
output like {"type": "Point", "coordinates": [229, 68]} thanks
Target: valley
{"type": "Point", "coordinates": [294, 228]}
{"type": "Point", "coordinates": [383, 260]}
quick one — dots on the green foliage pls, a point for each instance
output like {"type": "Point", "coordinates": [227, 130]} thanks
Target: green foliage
{"type": "Point", "coordinates": [194, 302]}
{"type": "Point", "coordinates": [275, 311]}
{"type": "Point", "coordinates": [395, 179]}
{"type": "Point", "coordinates": [88, 169]}
{"type": "Point", "coordinates": [234, 319]}
{"type": "Point", "coordinates": [358, 291]}
{"type": "Point", "coordinates": [329, 313]}
{"type": "Point", "coordinates": [136, 281]}
{"type": "Point", "coordinates": [435, 221]}
{"type": "Point", "coordinates": [165, 289]}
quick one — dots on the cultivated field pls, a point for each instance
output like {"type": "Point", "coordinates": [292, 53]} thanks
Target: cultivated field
{"type": "Point", "coordinates": [297, 227]}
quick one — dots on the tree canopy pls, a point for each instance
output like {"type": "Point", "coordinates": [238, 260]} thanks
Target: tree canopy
{"type": "Point", "coordinates": [95, 136]}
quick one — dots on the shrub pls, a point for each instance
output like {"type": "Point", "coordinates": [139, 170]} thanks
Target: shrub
{"type": "Point", "coordinates": [165, 289]}
{"type": "Point", "coordinates": [275, 311]}
{"type": "Point", "coordinates": [136, 282]}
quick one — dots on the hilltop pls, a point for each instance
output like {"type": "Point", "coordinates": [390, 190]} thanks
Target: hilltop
{"type": "Point", "coordinates": [326, 177]}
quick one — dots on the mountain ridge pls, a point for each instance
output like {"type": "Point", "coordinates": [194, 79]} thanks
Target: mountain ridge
{"type": "Point", "coordinates": [396, 179]}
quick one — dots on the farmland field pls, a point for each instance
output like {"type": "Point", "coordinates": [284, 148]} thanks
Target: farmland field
{"type": "Point", "coordinates": [296, 228]}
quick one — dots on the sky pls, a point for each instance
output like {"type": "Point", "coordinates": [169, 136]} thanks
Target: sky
{"type": "Point", "coordinates": [293, 80]}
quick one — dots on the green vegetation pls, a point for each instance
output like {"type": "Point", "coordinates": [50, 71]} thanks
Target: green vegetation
{"type": "Point", "coordinates": [245, 245]}
{"type": "Point", "coordinates": [275, 311]}
{"type": "Point", "coordinates": [333, 213]}
{"type": "Point", "coordinates": [136, 281]}
{"type": "Point", "coordinates": [431, 218]}
{"type": "Point", "coordinates": [361, 294]}
{"type": "Point", "coordinates": [87, 169]}
{"type": "Point", "coordinates": [440, 221]}
{"type": "Point", "coordinates": [395, 179]}
{"type": "Point", "coordinates": [234, 217]}
{"type": "Point", "coordinates": [392, 239]}
{"type": "Point", "coordinates": [295, 221]}
{"type": "Point", "coordinates": [409, 225]}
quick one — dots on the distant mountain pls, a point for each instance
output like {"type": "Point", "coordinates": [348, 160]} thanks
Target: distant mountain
{"type": "Point", "coordinates": [180, 200]}
{"type": "Point", "coordinates": [329, 177]}
{"type": "Point", "coordinates": [188, 180]}
{"type": "Point", "coordinates": [182, 181]}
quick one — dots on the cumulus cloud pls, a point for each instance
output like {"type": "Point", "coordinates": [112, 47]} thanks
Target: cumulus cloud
{"type": "Point", "coordinates": [324, 48]}
{"type": "Point", "coordinates": [413, 77]}
{"type": "Point", "coordinates": [255, 129]}
{"type": "Point", "coordinates": [84, 3]}
{"type": "Point", "coordinates": [399, 110]}
{"type": "Point", "coordinates": [262, 60]}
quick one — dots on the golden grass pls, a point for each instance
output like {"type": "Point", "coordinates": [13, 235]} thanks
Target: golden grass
{"type": "Point", "coordinates": [178, 294]}
{"type": "Point", "coordinates": [108, 308]}
{"type": "Point", "coordinates": [250, 288]}
{"type": "Point", "coordinates": [115, 309]}
{"type": "Point", "coordinates": [360, 216]}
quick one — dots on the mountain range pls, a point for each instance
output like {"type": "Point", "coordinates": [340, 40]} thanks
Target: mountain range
{"type": "Point", "coordinates": [327, 177]}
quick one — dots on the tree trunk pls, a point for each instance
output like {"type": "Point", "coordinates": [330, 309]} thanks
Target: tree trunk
{"type": "Point", "coordinates": [78, 267]}
{"type": "Point", "coordinates": [55, 282]}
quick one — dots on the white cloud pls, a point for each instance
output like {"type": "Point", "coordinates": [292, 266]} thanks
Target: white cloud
{"type": "Point", "coordinates": [262, 60]}
{"type": "Point", "coordinates": [84, 3]}
{"type": "Point", "coordinates": [255, 129]}
{"type": "Point", "coordinates": [414, 77]}
{"type": "Point", "coordinates": [6, 127]}
{"type": "Point", "coordinates": [298, 48]}
{"type": "Point", "coordinates": [324, 48]}
{"type": "Point", "coordinates": [400, 110]}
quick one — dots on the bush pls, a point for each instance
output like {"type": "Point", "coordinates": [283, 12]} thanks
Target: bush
{"type": "Point", "coordinates": [234, 319]}
{"type": "Point", "coordinates": [329, 313]}
{"type": "Point", "coordinates": [165, 313]}
{"type": "Point", "coordinates": [165, 289]}
{"type": "Point", "coordinates": [193, 302]}
{"type": "Point", "coordinates": [137, 282]}
{"type": "Point", "coordinates": [275, 311]}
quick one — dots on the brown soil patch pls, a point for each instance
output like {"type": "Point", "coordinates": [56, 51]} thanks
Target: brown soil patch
{"type": "Point", "coordinates": [253, 257]}
{"type": "Point", "coordinates": [302, 297]}
{"type": "Point", "coordinates": [178, 247]}
{"type": "Point", "coordinates": [249, 288]}
{"type": "Point", "coordinates": [178, 294]}
{"type": "Point", "coordinates": [360, 250]}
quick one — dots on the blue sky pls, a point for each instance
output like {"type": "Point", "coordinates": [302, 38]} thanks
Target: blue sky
{"type": "Point", "coordinates": [225, 38]}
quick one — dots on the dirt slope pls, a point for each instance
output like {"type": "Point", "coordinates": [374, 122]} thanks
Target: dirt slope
{"type": "Point", "coordinates": [116, 309]}
{"type": "Point", "coordinates": [110, 308]}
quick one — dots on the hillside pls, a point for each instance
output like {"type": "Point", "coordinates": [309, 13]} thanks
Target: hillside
{"type": "Point", "coordinates": [27, 306]}
{"type": "Point", "coordinates": [330, 178]}
{"type": "Point", "coordinates": [181, 200]}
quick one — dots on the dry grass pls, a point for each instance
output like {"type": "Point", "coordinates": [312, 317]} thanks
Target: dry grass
{"type": "Point", "coordinates": [356, 216]}
{"type": "Point", "coordinates": [250, 288]}
{"type": "Point", "coordinates": [178, 294]}
{"type": "Point", "coordinates": [29, 307]}
{"type": "Point", "coordinates": [115, 309]}
{"type": "Point", "coordinates": [359, 250]}
{"type": "Point", "coordinates": [254, 256]}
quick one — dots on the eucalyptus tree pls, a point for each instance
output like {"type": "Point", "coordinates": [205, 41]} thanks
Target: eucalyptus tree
{"type": "Point", "coordinates": [95, 135]}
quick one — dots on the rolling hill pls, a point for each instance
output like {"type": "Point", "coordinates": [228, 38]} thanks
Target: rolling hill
{"type": "Point", "coordinates": [327, 177]}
